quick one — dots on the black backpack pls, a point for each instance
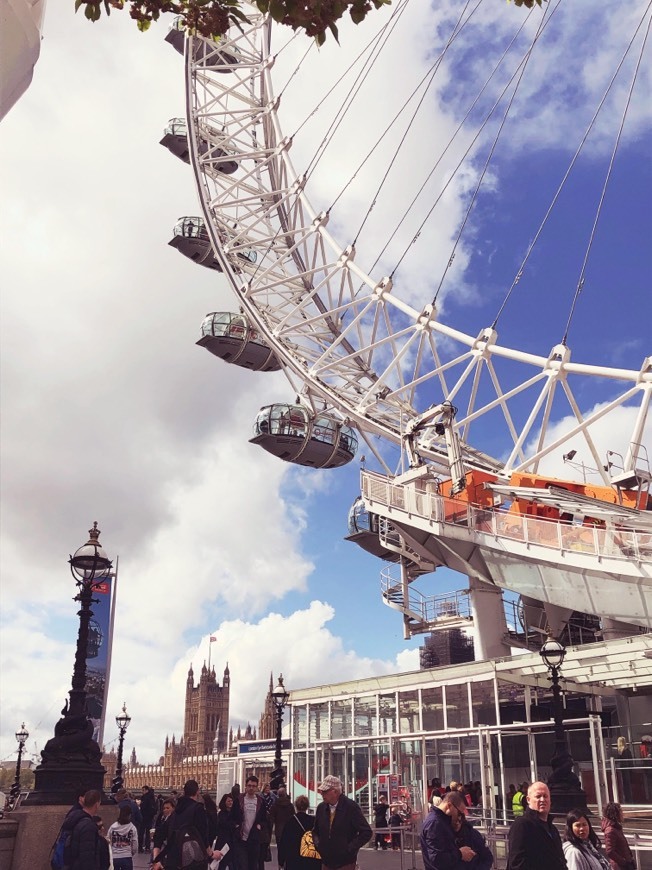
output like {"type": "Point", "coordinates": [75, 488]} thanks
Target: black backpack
{"type": "Point", "coordinates": [185, 846]}
{"type": "Point", "coordinates": [188, 845]}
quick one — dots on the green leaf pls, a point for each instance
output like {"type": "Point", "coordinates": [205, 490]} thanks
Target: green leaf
{"type": "Point", "coordinates": [143, 26]}
{"type": "Point", "coordinates": [78, 3]}
{"type": "Point", "coordinates": [277, 10]}
{"type": "Point", "coordinates": [93, 11]}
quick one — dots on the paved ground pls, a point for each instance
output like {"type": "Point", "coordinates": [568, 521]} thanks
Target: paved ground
{"type": "Point", "coordinates": [368, 859]}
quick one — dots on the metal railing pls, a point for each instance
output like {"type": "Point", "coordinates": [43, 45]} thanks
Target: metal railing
{"type": "Point", "coordinates": [619, 543]}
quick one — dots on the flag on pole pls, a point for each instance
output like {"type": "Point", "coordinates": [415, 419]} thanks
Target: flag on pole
{"type": "Point", "coordinates": [213, 639]}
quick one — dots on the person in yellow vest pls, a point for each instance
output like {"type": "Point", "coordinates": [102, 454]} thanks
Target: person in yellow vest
{"type": "Point", "coordinates": [518, 801]}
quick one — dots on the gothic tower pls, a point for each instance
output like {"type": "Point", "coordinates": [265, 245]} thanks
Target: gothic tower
{"type": "Point", "coordinates": [206, 720]}
{"type": "Point", "coordinates": [267, 721]}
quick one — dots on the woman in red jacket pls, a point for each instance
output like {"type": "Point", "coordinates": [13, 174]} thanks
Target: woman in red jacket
{"type": "Point", "coordinates": [615, 843]}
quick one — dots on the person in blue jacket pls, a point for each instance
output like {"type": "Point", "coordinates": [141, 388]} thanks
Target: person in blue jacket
{"type": "Point", "coordinates": [466, 835]}
{"type": "Point", "coordinates": [438, 847]}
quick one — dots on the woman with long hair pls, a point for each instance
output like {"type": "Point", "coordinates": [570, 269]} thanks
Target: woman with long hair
{"type": "Point", "coordinates": [581, 846]}
{"type": "Point", "coordinates": [615, 843]}
{"type": "Point", "coordinates": [227, 825]}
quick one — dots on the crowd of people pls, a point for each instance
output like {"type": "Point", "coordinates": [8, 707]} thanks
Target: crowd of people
{"type": "Point", "coordinates": [449, 842]}
{"type": "Point", "coordinates": [236, 833]}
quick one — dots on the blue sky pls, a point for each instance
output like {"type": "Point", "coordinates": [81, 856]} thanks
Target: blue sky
{"type": "Point", "coordinates": [110, 412]}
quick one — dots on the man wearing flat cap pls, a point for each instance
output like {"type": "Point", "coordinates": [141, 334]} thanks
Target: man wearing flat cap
{"type": "Point", "coordinates": [340, 827]}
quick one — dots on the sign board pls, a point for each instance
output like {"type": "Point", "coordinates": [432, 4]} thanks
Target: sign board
{"type": "Point", "coordinates": [261, 747]}
{"type": "Point", "coordinates": [98, 656]}
{"type": "Point", "coordinates": [226, 775]}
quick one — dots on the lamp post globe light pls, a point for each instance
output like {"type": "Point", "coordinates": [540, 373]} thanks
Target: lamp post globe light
{"type": "Point", "coordinates": [21, 736]}
{"type": "Point", "coordinates": [71, 761]}
{"type": "Point", "coordinates": [566, 792]}
{"type": "Point", "coordinates": [280, 697]}
{"type": "Point", "coordinates": [122, 721]}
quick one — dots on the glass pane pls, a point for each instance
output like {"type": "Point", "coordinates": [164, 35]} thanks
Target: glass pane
{"type": "Point", "coordinates": [450, 760]}
{"type": "Point", "coordinates": [408, 705]}
{"type": "Point", "coordinates": [484, 707]}
{"type": "Point", "coordinates": [387, 709]}
{"type": "Point", "coordinates": [433, 765]}
{"type": "Point", "coordinates": [366, 721]}
{"type": "Point", "coordinates": [299, 726]}
{"type": "Point", "coordinates": [457, 706]}
{"type": "Point", "coordinates": [341, 719]}
{"type": "Point", "coordinates": [318, 722]}
{"type": "Point", "coordinates": [360, 764]}
{"type": "Point", "coordinates": [299, 774]}
{"type": "Point", "coordinates": [432, 709]}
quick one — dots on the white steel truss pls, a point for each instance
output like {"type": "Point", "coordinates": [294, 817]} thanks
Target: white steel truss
{"type": "Point", "coordinates": [344, 337]}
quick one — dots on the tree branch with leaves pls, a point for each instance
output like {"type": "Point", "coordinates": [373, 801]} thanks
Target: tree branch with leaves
{"type": "Point", "coordinates": [212, 18]}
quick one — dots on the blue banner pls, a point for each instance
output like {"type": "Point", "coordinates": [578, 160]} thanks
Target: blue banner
{"type": "Point", "coordinates": [98, 657]}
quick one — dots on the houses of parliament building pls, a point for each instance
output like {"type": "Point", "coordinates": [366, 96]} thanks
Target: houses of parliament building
{"type": "Point", "coordinates": [206, 736]}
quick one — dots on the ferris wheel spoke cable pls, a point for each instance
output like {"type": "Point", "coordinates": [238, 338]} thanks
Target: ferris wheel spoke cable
{"type": "Point", "coordinates": [432, 73]}
{"type": "Point", "coordinates": [434, 66]}
{"type": "Point", "coordinates": [515, 77]}
{"type": "Point", "coordinates": [377, 45]}
{"type": "Point", "coordinates": [491, 153]}
{"type": "Point", "coordinates": [520, 270]}
{"type": "Point", "coordinates": [580, 282]}
{"type": "Point", "coordinates": [448, 145]}
{"type": "Point", "coordinates": [297, 68]}
{"type": "Point", "coordinates": [373, 43]}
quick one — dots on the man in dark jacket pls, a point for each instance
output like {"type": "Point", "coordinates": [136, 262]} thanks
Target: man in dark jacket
{"type": "Point", "coordinates": [534, 842]}
{"type": "Point", "coordinates": [85, 837]}
{"type": "Point", "coordinates": [340, 828]}
{"type": "Point", "coordinates": [438, 847]}
{"type": "Point", "coordinates": [281, 813]}
{"type": "Point", "coordinates": [147, 811]}
{"type": "Point", "coordinates": [124, 799]}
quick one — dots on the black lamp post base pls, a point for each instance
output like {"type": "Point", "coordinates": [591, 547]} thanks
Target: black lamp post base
{"type": "Point", "coordinates": [62, 785]}
{"type": "Point", "coordinates": [566, 792]}
{"type": "Point", "coordinates": [71, 764]}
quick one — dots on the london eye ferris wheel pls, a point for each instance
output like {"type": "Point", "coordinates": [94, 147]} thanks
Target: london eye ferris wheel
{"type": "Point", "coordinates": [349, 217]}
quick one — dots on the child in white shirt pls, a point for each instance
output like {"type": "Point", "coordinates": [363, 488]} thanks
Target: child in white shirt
{"type": "Point", "coordinates": [123, 838]}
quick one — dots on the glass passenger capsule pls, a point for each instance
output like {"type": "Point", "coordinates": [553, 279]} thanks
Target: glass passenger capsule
{"type": "Point", "coordinates": [208, 53]}
{"type": "Point", "coordinates": [364, 530]}
{"type": "Point", "coordinates": [232, 338]}
{"type": "Point", "coordinates": [294, 433]}
{"type": "Point", "coordinates": [192, 240]}
{"type": "Point", "coordinates": [175, 139]}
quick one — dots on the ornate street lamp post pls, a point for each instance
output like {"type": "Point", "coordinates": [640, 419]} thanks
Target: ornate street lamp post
{"type": "Point", "coordinates": [122, 721]}
{"type": "Point", "coordinates": [71, 761]}
{"type": "Point", "coordinates": [21, 737]}
{"type": "Point", "coordinates": [280, 698]}
{"type": "Point", "coordinates": [566, 792]}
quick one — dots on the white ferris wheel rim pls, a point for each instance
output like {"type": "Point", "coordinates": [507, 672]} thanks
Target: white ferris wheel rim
{"type": "Point", "coordinates": [341, 336]}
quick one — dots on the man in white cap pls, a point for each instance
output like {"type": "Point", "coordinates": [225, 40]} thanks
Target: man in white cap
{"type": "Point", "coordinates": [340, 827]}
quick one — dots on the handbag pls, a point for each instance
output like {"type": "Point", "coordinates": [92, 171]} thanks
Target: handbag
{"type": "Point", "coordinates": [307, 848]}
{"type": "Point", "coordinates": [307, 845]}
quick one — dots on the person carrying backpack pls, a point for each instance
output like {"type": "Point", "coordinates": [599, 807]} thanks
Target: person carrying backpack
{"type": "Point", "coordinates": [188, 846]}
{"type": "Point", "coordinates": [82, 848]}
{"type": "Point", "coordinates": [74, 814]}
